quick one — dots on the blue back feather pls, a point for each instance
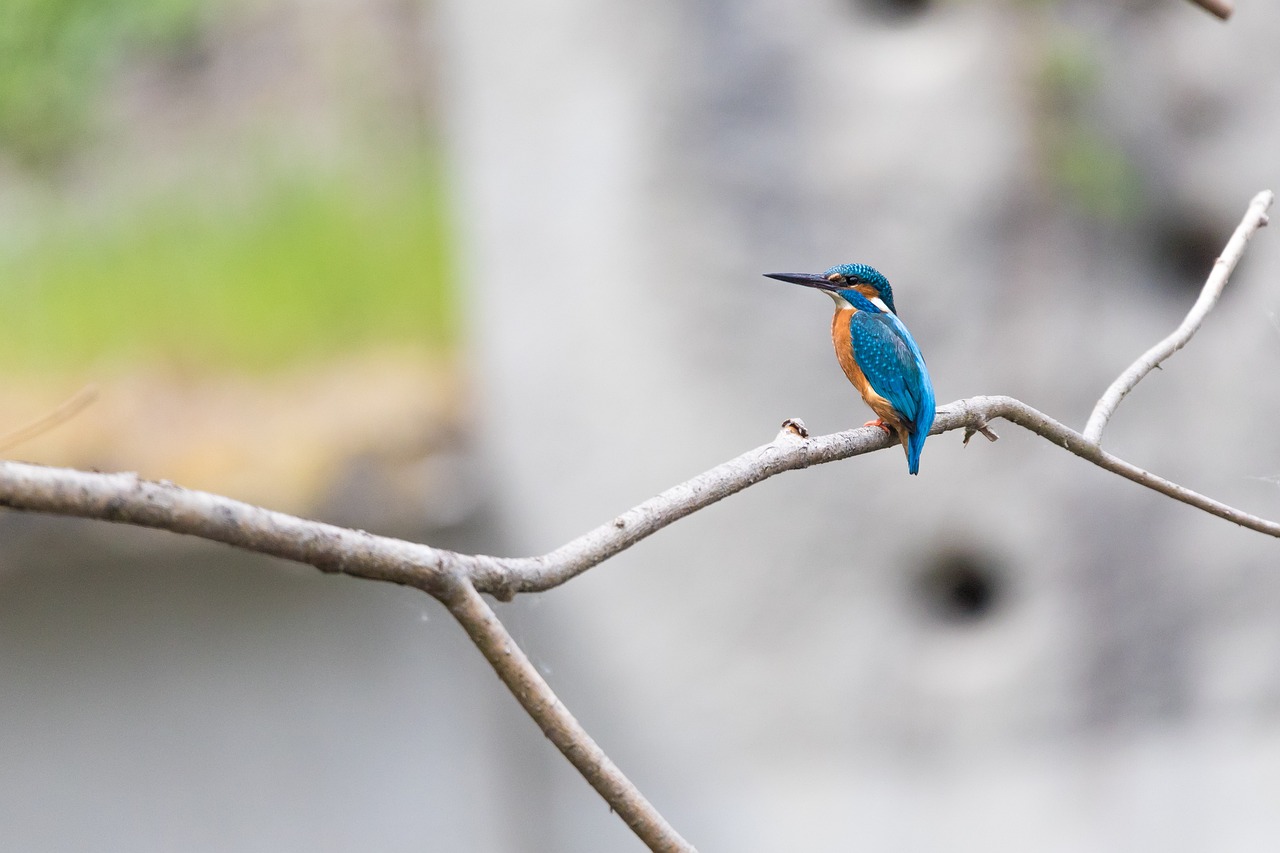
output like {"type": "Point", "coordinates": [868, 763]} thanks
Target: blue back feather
{"type": "Point", "coordinates": [892, 363]}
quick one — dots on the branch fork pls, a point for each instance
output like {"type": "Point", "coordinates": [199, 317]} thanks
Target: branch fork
{"type": "Point", "coordinates": [457, 580]}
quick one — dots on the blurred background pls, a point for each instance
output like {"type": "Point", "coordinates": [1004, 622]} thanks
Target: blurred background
{"type": "Point", "coordinates": [485, 273]}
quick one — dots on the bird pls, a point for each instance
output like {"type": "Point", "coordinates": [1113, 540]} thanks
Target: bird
{"type": "Point", "coordinates": [877, 353]}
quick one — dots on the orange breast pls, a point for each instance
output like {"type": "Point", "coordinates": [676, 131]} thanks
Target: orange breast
{"type": "Point", "coordinates": [844, 354]}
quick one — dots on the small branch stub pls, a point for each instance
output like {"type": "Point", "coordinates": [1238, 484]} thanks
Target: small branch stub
{"type": "Point", "coordinates": [796, 427]}
{"type": "Point", "coordinates": [1221, 9]}
{"type": "Point", "coordinates": [982, 427]}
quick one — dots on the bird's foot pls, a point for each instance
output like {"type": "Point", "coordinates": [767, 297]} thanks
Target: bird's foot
{"type": "Point", "coordinates": [879, 422]}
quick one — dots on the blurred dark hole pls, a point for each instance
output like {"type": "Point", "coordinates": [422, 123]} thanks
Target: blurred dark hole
{"type": "Point", "coordinates": [1185, 248]}
{"type": "Point", "coordinates": [960, 586]}
{"type": "Point", "coordinates": [896, 10]}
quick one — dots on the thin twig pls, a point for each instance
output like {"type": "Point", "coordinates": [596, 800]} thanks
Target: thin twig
{"type": "Point", "coordinates": [1254, 218]}
{"type": "Point", "coordinates": [1219, 8]}
{"type": "Point", "coordinates": [561, 728]}
{"type": "Point", "coordinates": [64, 412]}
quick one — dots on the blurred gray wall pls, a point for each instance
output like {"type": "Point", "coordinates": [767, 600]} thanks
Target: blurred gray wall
{"type": "Point", "coordinates": [159, 695]}
{"type": "Point", "coordinates": [1013, 651]}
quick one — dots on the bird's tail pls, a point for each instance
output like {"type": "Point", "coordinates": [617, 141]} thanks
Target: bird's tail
{"type": "Point", "coordinates": [915, 444]}
{"type": "Point", "coordinates": [920, 429]}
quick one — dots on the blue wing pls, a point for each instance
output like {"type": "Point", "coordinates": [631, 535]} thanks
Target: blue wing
{"type": "Point", "coordinates": [893, 365]}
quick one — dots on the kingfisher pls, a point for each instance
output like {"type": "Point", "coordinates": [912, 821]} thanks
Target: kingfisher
{"type": "Point", "coordinates": [877, 352]}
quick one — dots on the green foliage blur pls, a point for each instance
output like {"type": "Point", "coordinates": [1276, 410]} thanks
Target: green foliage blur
{"type": "Point", "coordinates": [310, 267]}
{"type": "Point", "coordinates": [1089, 168]}
{"type": "Point", "coordinates": [311, 262]}
{"type": "Point", "coordinates": [54, 55]}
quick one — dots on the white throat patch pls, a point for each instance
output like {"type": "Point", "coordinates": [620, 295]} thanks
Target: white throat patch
{"type": "Point", "coordinates": [841, 302]}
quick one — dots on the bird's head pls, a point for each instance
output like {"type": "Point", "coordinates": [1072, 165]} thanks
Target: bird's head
{"type": "Point", "coordinates": [846, 283]}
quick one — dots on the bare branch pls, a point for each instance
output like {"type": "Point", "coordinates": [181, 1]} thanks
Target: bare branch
{"type": "Point", "coordinates": [457, 579]}
{"type": "Point", "coordinates": [1254, 218]}
{"type": "Point", "coordinates": [787, 452]}
{"type": "Point", "coordinates": [129, 499]}
{"type": "Point", "coordinates": [561, 728]}
{"type": "Point", "coordinates": [454, 578]}
{"type": "Point", "coordinates": [1041, 424]}
{"type": "Point", "coordinates": [1219, 8]}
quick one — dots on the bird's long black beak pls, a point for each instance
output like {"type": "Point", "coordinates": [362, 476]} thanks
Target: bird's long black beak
{"type": "Point", "coordinates": [805, 278]}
